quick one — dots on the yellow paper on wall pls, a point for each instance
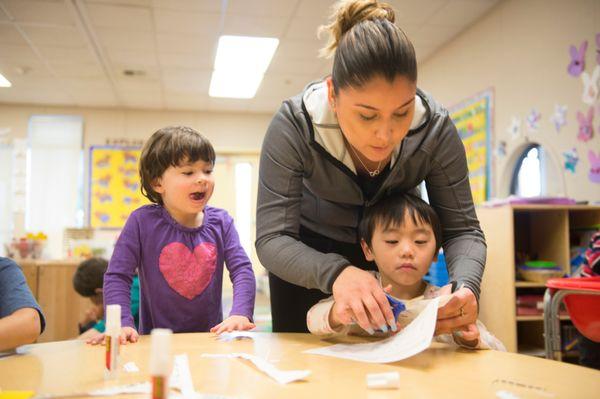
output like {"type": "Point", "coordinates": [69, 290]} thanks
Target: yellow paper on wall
{"type": "Point", "coordinates": [16, 394]}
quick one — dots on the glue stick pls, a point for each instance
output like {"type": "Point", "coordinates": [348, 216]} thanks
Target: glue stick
{"type": "Point", "coordinates": [113, 331]}
{"type": "Point", "coordinates": [160, 362]}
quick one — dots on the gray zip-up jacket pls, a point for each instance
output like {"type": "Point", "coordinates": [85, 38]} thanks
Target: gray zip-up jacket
{"type": "Point", "coordinates": [308, 178]}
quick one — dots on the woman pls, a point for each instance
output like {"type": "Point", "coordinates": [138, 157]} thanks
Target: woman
{"type": "Point", "coordinates": [345, 142]}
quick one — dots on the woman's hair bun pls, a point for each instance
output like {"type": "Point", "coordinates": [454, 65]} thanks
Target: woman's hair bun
{"type": "Point", "coordinates": [348, 13]}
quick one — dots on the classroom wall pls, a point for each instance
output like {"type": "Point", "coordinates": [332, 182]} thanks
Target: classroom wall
{"type": "Point", "coordinates": [227, 131]}
{"type": "Point", "coordinates": [521, 50]}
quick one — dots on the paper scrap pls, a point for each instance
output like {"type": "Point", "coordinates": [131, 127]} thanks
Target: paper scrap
{"type": "Point", "coordinates": [139, 388]}
{"type": "Point", "coordinates": [230, 336]}
{"type": "Point", "coordinates": [131, 367]}
{"type": "Point", "coordinates": [182, 377]}
{"type": "Point", "coordinates": [281, 376]}
{"type": "Point", "coordinates": [413, 339]}
{"type": "Point", "coordinates": [383, 380]}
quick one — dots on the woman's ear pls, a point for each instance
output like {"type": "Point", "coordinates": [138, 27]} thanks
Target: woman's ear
{"type": "Point", "coordinates": [330, 93]}
{"type": "Point", "coordinates": [366, 250]}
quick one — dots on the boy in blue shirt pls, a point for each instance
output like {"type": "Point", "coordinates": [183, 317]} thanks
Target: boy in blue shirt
{"type": "Point", "coordinates": [21, 318]}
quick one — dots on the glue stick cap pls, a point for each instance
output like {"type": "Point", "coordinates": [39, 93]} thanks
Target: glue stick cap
{"type": "Point", "coordinates": [113, 319]}
{"type": "Point", "coordinates": [160, 352]}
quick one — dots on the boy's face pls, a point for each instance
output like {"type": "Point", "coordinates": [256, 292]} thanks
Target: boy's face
{"type": "Point", "coordinates": [403, 253]}
{"type": "Point", "coordinates": [185, 189]}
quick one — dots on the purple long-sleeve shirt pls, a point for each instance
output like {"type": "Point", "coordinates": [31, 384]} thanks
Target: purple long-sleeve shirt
{"type": "Point", "coordinates": [180, 269]}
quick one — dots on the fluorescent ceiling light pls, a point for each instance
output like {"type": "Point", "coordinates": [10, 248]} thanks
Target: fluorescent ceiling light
{"type": "Point", "coordinates": [240, 65]}
{"type": "Point", "coordinates": [4, 82]}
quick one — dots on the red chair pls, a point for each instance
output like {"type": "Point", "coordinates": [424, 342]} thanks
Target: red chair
{"type": "Point", "coordinates": [582, 299]}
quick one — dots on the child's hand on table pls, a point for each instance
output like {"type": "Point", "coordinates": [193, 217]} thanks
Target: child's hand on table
{"type": "Point", "coordinates": [233, 323]}
{"type": "Point", "coordinates": [128, 334]}
{"type": "Point", "coordinates": [467, 336]}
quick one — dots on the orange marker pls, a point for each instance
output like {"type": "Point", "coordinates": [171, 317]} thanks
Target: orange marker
{"type": "Point", "coordinates": [111, 340]}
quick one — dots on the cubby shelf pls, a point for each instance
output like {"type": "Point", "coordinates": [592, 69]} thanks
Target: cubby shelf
{"type": "Point", "coordinates": [538, 232]}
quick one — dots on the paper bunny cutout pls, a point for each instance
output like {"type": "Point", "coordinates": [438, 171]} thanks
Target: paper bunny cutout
{"type": "Point", "coordinates": [586, 129]}
{"type": "Point", "coordinates": [594, 175]}
{"type": "Point", "coordinates": [533, 121]}
{"type": "Point", "coordinates": [571, 159]}
{"type": "Point", "coordinates": [590, 86]}
{"type": "Point", "coordinates": [577, 64]}
{"type": "Point", "coordinates": [559, 118]}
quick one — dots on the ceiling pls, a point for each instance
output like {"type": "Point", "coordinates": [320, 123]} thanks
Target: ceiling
{"type": "Point", "coordinates": [76, 52]}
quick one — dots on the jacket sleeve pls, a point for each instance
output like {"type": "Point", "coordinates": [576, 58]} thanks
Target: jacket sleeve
{"type": "Point", "coordinates": [450, 195]}
{"type": "Point", "coordinates": [240, 272]}
{"type": "Point", "coordinates": [121, 270]}
{"type": "Point", "coordinates": [283, 161]}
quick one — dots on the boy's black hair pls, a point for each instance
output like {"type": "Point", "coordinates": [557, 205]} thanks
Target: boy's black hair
{"type": "Point", "coordinates": [391, 210]}
{"type": "Point", "coordinates": [89, 276]}
{"type": "Point", "coordinates": [171, 146]}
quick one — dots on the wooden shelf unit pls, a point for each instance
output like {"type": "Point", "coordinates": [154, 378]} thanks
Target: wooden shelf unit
{"type": "Point", "coordinates": [539, 231]}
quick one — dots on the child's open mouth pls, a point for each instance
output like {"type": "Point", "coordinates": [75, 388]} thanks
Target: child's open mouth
{"type": "Point", "coordinates": [197, 196]}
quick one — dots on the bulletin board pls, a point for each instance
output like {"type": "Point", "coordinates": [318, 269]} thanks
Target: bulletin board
{"type": "Point", "coordinates": [114, 185]}
{"type": "Point", "coordinates": [473, 120]}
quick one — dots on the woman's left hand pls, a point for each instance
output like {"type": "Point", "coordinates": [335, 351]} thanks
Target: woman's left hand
{"type": "Point", "coordinates": [233, 323]}
{"type": "Point", "coordinates": [458, 313]}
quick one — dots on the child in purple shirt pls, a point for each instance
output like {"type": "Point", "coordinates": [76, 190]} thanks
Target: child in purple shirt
{"type": "Point", "coordinates": [179, 244]}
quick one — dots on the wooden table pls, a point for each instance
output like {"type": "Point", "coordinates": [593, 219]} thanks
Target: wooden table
{"type": "Point", "coordinates": [439, 372]}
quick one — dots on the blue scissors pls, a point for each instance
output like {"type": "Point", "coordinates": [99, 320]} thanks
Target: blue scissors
{"type": "Point", "coordinates": [396, 305]}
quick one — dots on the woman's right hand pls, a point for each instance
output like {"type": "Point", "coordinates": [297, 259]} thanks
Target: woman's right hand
{"type": "Point", "coordinates": [360, 298]}
{"type": "Point", "coordinates": [128, 334]}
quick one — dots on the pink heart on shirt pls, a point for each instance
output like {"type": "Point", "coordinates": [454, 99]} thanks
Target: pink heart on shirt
{"type": "Point", "coordinates": [187, 272]}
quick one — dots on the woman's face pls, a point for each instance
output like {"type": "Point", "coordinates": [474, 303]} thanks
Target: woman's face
{"type": "Point", "coordinates": [374, 118]}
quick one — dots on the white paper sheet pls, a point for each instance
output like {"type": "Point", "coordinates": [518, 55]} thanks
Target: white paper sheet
{"type": "Point", "coordinates": [414, 338]}
{"type": "Point", "coordinates": [281, 376]}
{"type": "Point", "coordinates": [131, 367]}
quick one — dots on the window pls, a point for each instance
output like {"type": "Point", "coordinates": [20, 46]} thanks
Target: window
{"type": "Point", "coordinates": [6, 211]}
{"type": "Point", "coordinates": [54, 198]}
{"type": "Point", "coordinates": [528, 175]}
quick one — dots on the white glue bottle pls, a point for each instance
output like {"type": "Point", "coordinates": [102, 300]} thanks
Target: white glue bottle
{"type": "Point", "coordinates": [111, 341]}
{"type": "Point", "coordinates": [160, 362]}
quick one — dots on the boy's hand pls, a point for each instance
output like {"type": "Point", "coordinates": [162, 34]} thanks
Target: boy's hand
{"type": "Point", "coordinates": [233, 323]}
{"type": "Point", "coordinates": [468, 336]}
{"type": "Point", "coordinates": [128, 334]}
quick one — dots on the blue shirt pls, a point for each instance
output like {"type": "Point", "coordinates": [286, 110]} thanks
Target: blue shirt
{"type": "Point", "coordinates": [14, 291]}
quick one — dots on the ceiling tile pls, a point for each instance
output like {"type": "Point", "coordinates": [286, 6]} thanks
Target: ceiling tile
{"type": "Point", "coordinates": [132, 59]}
{"type": "Point", "coordinates": [120, 17]}
{"type": "Point", "coordinates": [10, 35]}
{"type": "Point", "coordinates": [15, 69]}
{"type": "Point", "coordinates": [266, 8]}
{"type": "Point", "coordinates": [119, 39]}
{"type": "Point", "coordinates": [44, 12]}
{"type": "Point", "coordinates": [457, 12]}
{"type": "Point", "coordinates": [319, 10]}
{"type": "Point", "coordinates": [415, 12]}
{"type": "Point", "coordinates": [187, 101]}
{"type": "Point", "coordinates": [201, 45]}
{"type": "Point", "coordinates": [227, 104]}
{"type": "Point", "coordinates": [17, 53]}
{"type": "Point", "coordinates": [185, 60]}
{"type": "Point", "coordinates": [67, 54]}
{"type": "Point", "coordinates": [37, 95]}
{"type": "Point", "coordinates": [139, 3]}
{"type": "Point", "coordinates": [186, 22]}
{"type": "Point", "coordinates": [186, 80]}
{"type": "Point", "coordinates": [303, 28]}
{"type": "Point", "coordinates": [254, 26]}
{"type": "Point", "coordinates": [282, 64]}
{"type": "Point", "coordinates": [77, 70]}
{"type": "Point", "coordinates": [188, 5]}
{"type": "Point", "coordinates": [55, 36]}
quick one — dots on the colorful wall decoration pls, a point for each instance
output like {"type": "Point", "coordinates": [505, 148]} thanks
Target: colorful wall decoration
{"type": "Point", "coordinates": [114, 185]}
{"type": "Point", "coordinates": [473, 120]}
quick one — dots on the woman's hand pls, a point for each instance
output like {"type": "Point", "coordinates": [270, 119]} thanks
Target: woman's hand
{"type": "Point", "coordinates": [233, 323]}
{"type": "Point", "coordinates": [468, 337]}
{"type": "Point", "coordinates": [360, 298]}
{"type": "Point", "coordinates": [458, 313]}
{"type": "Point", "coordinates": [128, 334]}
